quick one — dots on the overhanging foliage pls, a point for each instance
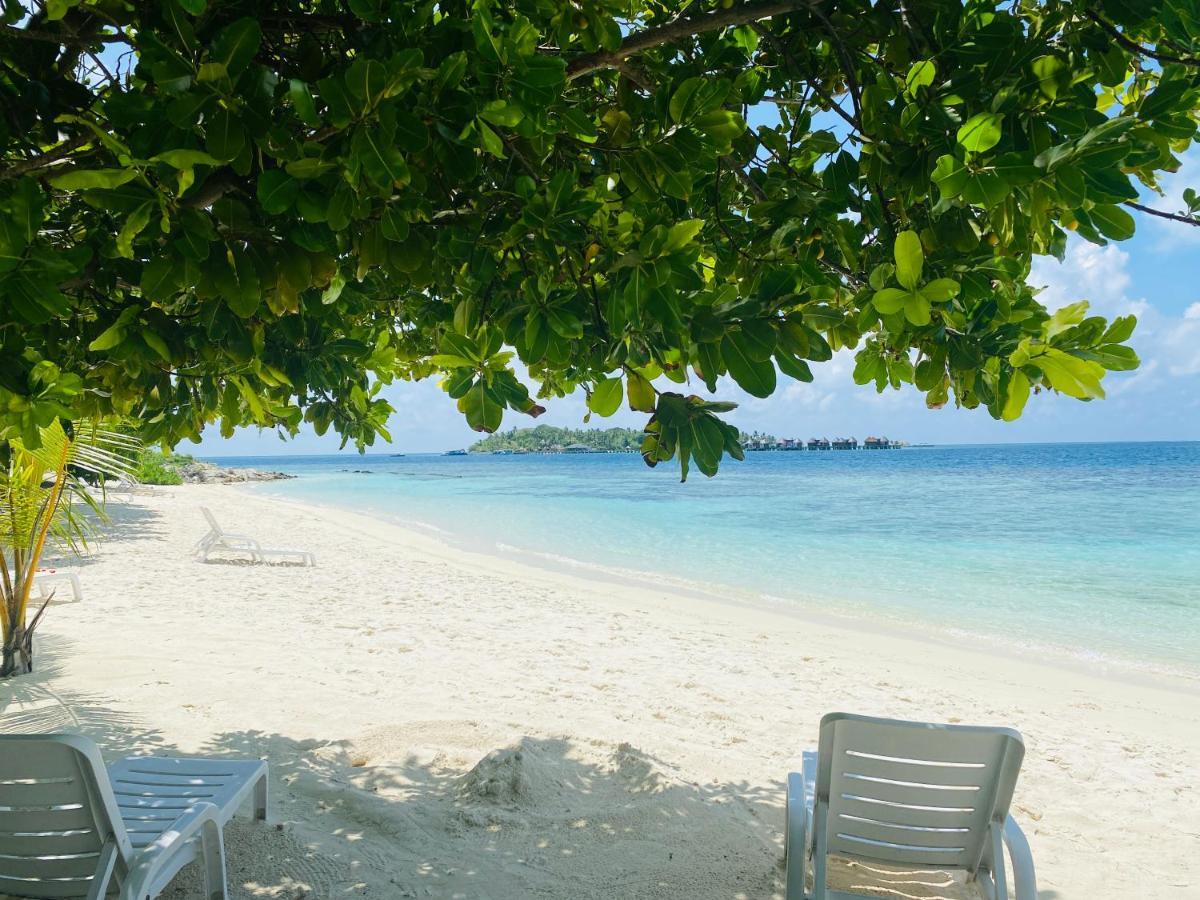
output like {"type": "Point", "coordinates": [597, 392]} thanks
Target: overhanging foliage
{"type": "Point", "coordinates": [259, 212]}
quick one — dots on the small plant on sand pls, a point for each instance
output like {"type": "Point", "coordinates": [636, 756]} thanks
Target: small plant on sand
{"type": "Point", "coordinates": [43, 497]}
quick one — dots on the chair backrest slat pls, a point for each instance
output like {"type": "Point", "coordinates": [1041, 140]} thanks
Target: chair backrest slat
{"type": "Point", "coordinates": [211, 519]}
{"type": "Point", "coordinates": [914, 793]}
{"type": "Point", "coordinates": [57, 812]}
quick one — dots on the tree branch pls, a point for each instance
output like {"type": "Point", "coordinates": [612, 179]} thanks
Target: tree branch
{"type": "Point", "coordinates": [57, 37]}
{"type": "Point", "coordinates": [1137, 48]}
{"type": "Point", "coordinates": [1174, 217]}
{"type": "Point", "coordinates": [213, 189]}
{"type": "Point", "coordinates": [49, 158]}
{"type": "Point", "coordinates": [681, 28]}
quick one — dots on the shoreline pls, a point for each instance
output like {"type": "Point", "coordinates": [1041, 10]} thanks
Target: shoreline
{"type": "Point", "coordinates": [1153, 674]}
{"type": "Point", "coordinates": [448, 724]}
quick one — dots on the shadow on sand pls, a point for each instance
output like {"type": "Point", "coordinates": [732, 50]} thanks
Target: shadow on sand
{"type": "Point", "coordinates": [381, 816]}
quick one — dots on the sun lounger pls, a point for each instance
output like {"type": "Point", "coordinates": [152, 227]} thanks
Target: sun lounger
{"type": "Point", "coordinates": [907, 793]}
{"type": "Point", "coordinates": [220, 541]}
{"type": "Point", "coordinates": [43, 578]}
{"type": "Point", "coordinates": [69, 827]}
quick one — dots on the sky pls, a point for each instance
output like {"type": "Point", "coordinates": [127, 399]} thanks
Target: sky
{"type": "Point", "coordinates": [1155, 275]}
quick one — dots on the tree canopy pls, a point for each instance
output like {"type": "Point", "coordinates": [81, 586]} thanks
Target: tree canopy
{"type": "Point", "coordinates": [543, 438]}
{"type": "Point", "coordinates": [260, 211]}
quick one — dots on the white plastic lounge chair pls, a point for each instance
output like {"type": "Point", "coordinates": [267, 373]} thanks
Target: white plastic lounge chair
{"type": "Point", "coordinates": [220, 541]}
{"type": "Point", "coordinates": [69, 827]}
{"type": "Point", "coordinates": [131, 488]}
{"type": "Point", "coordinates": [43, 577]}
{"type": "Point", "coordinates": [908, 793]}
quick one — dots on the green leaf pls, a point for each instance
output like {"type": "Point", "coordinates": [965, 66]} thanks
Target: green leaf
{"type": "Point", "coordinates": [793, 367]}
{"type": "Point", "coordinates": [681, 234]}
{"type": "Point", "coordinates": [985, 188]}
{"type": "Point", "coordinates": [366, 81]}
{"type": "Point", "coordinates": [981, 132]}
{"type": "Point", "coordinates": [950, 175]}
{"type": "Point", "coordinates": [722, 127]}
{"type": "Point", "coordinates": [1075, 377]}
{"type": "Point", "coordinates": [564, 322]}
{"type": "Point", "coordinates": [482, 410]}
{"type": "Point", "coordinates": [642, 396]}
{"type": "Point", "coordinates": [276, 191]}
{"type": "Point", "coordinates": [303, 102]}
{"type": "Point", "coordinates": [1052, 74]}
{"type": "Point", "coordinates": [1065, 317]}
{"type": "Point", "coordinates": [1114, 357]}
{"type": "Point", "coordinates": [184, 159]}
{"type": "Point", "coordinates": [697, 96]}
{"type": "Point", "coordinates": [605, 398]}
{"type": "Point", "coordinates": [708, 364]}
{"type": "Point", "coordinates": [920, 74]}
{"type": "Point", "coordinates": [131, 228]}
{"type": "Point", "coordinates": [916, 309]}
{"type": "Point", "coordinates": [940, 290]}
{"type": "Point", "coordinates": [489, 140]}
{"type": "Point", "coordinates": [236, 45]}
{"type": "Point", "coordinates": [113, 335]}
{"type": "Point", "coordinates": [502, 113]}
{"type": "Point", "coordinates": [1112, 221]}
{"type": "Point", "coordinates": [158, 278]}
{"type": "Point", "coordinates": [238, 282]}
{"type": "Point", "coordinates": [755, 377]}
{"type": "Point", "coordinates": [382, 163]}
{"type": "Point", "coordinates": [86, 179]}
{"type": "Point", "coordinates": [223, 135]}
{"type": "Point", "coordinates": [910, 259]}
{"type": "Point", "coordinates": [890, 300]}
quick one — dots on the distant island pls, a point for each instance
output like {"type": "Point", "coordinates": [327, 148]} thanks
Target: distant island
{"type": "Point", "coordinates": [549, 439]}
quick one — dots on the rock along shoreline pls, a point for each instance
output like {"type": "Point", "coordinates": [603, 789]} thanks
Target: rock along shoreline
{"type": "Point", "coordinates": [211, 473]}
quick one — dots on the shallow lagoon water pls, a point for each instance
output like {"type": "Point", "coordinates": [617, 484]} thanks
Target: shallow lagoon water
{"type": "Point", "coordinates": [1086, 550]}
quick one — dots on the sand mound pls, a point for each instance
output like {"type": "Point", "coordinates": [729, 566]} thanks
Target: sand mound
{"type": "Point", "coordinates": [503, 778]}
{"type": "Point", "coordinates": [640, 773]}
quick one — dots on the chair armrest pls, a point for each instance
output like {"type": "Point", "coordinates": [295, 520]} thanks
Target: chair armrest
{"type": "Point", "coordinates": [797, 834]}
{"type": "Point", "coordinates": [1024, 880]}
{"type": "Point", "coordinates": [148, 863]}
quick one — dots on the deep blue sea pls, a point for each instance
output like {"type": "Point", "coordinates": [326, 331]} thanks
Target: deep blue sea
{"type": "Point", "coordinates": [1088, 551]}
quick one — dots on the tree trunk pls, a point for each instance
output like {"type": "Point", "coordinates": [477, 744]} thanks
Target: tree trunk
{"type": "Point", "coordinates": [18, 652]}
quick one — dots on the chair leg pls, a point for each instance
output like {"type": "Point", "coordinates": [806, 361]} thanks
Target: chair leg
{"type": "Point", "coordinates": [260, 799]}
{"type": "Point", "coordinates": [213, 849]}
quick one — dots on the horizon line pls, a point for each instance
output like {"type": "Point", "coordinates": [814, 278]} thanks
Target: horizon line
{"type": "Point", "coordinates": [911, 445]}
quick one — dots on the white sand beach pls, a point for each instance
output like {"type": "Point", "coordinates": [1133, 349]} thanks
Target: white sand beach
{"type": "Point", "coordinates": [453, 725]}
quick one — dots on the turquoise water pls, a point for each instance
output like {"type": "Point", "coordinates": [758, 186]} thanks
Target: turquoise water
{"type": "Point", "coordinates": [1090, 550]}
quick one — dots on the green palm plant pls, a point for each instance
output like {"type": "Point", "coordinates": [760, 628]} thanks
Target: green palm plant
{"type": "Point", "coordinates": [44, 498]}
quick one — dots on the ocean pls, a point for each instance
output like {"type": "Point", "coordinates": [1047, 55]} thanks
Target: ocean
{"type": "Point", "coordinates": [1076, 552]}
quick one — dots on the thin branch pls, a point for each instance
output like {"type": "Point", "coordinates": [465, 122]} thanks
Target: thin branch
{"type": "Point", "coordinates": [826, 98]}
{"type": "Point", "coordinates": [744, 177]}
{"type": "Point", "coordinates": [1135, 47]}
{"type": "Point", "coordinates": [681, 28]}
{"type": "Point", "coordinates": [1174, 217]}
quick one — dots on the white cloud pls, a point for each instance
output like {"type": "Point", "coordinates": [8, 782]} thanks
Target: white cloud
{"type": "Point", "coordinates": [1169, 346]}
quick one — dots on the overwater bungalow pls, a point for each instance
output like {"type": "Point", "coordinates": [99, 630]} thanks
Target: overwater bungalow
{"type": "Point", "coordinates": [845, 444]}
{"type": "Point", "coordinates": [876, 443]}
{"type": "Point", "coordinates": [819, 444]}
